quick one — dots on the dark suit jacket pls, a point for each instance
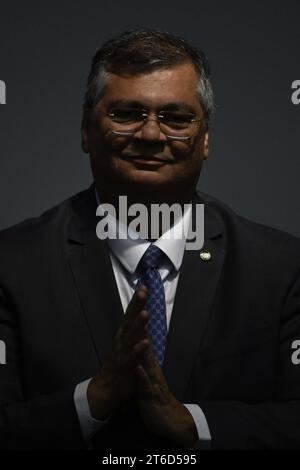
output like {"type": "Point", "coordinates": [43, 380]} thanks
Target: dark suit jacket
{"type": "Point", "coordinates": [229, 343]}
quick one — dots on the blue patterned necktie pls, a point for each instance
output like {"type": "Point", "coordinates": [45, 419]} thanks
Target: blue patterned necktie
{"type": "Point", "coordinates": [156, 304]}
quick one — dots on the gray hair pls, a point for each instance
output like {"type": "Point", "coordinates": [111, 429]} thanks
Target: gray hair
{"type": "Point", "coordinates": [139, 51]}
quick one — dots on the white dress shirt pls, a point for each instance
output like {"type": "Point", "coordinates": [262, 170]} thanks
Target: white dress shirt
{"type": "Point", "coordinates": [125, 255]}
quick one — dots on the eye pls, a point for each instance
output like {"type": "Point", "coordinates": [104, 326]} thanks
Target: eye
{"type": "Point", "coordinates": [126, 115]}
{"type": "Point", "coordinates": [175, 119]}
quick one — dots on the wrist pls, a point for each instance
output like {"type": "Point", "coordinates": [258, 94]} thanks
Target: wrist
{"type": "Point", "coordinates": [188, 438]}
{"type": "Point", "coordinates": [185, 433]}
{"type": "Point", "coordinates": [99, 398]}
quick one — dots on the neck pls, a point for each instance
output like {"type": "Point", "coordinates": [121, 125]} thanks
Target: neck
{"type": "Point", "coordinates": [147, 198]}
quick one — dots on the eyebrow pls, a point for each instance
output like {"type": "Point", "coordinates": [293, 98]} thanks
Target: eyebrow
{"type": "Point", "coordinates": [171, 106]}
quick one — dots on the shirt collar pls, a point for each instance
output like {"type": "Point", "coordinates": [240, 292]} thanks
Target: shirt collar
{"type": "Point", "coordinates": [130, 251]}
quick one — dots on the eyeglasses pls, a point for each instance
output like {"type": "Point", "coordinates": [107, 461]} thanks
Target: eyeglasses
{"type": "Point", "coordinates": [175, 125]}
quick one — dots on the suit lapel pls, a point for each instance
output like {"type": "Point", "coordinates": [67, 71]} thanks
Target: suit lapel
{"type": "Point", "coordinates": [93, 276]}
{"type": "Point", "coordinates": [193, 302]}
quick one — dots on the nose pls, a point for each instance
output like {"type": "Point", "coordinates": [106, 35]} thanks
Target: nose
{"type": "Point", "coordinates": [150, 131]}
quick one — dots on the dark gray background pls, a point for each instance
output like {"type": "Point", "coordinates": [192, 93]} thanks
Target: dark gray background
{"type": "Point", "coordinates": [254, 49]}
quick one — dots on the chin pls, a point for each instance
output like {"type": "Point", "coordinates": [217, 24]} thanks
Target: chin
{"type": "Point", "coordinates": [147, 180]}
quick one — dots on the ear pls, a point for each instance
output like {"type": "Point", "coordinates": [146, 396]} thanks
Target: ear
{"type": "Point", "coordinates": [206, 145]}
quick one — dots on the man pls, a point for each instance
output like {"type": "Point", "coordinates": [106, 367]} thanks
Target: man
{"type": "Point", "coordinates": [107, 349]}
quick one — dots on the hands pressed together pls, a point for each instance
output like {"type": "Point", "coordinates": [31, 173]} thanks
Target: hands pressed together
{"type": "Point", "coordinates": [133, 372]}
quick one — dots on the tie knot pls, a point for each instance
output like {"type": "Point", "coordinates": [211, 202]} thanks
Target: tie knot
{"type": "Point", "coordinates": [152, 258]}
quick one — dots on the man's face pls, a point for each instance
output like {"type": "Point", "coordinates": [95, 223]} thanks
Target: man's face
{"type": "Point", "coordinates": [147, 160]}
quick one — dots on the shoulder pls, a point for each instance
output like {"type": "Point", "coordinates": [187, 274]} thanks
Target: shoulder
{"type": "Point", "coordinates": [252, 237]}
{"type": "Point", "coordinates": [50, 225]}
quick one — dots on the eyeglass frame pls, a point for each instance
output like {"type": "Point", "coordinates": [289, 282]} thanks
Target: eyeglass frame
{"type": "Point", "coordinates": [145, 115]}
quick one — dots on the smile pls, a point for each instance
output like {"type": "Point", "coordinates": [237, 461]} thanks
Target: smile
{"type": "Point", "coordinates": [147, 160]}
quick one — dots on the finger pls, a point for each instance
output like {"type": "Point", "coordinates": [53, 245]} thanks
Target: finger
{"type": "Point", "coordinates": [138, 329]}
{"type": "Point", "coordinates": [135, 306]}
{"type": "Point", "coordinates": [150, 359]}
{"type": "Point", "coordinates": [141, 346]}
{"type": "Point", "coordinates": [136, 332]}
{"type": "Point", "coordinates": [136, 353]}
{"type": "Point", "coordinates": [151, 365]}
{"type": "Point", "coordinates": [144, 383]}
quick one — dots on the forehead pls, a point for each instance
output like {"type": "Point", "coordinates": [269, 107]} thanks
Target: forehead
{"type": "Point", "coordinates": [155, 88]}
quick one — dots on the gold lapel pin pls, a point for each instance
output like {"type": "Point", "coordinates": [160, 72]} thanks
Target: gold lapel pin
{"type": "Point", "coordinates": [205, 255]}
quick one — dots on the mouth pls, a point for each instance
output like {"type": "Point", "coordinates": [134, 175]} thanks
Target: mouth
{"type": "Point", "coordinates": [147, 159]}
